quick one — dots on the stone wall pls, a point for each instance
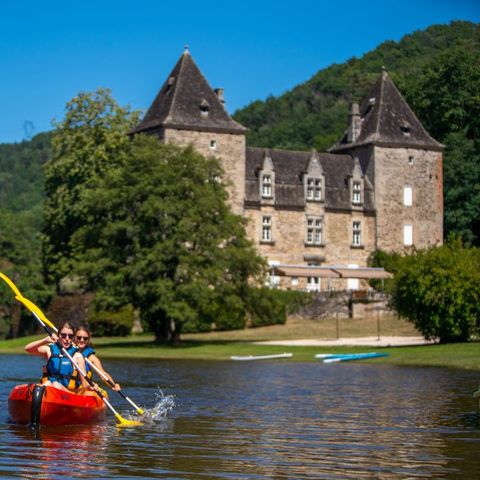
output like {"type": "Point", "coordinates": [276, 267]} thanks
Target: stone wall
{"type": "Point", "coordinates": [228, 148]}
{"type": "Point", "coordinates": [289, 230]}
{"type": "Point", "coordinates": [396, 168]}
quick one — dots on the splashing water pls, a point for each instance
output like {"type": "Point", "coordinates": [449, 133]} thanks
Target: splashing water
{"type": "Point", "coordinates": [164, 404]}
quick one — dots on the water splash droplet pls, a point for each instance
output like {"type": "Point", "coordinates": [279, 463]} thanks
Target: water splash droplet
{"type": "Point", "coordinates": [164, 404]}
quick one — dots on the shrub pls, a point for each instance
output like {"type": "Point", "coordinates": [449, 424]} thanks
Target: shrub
{"type": "Point", "coordinates": [438, 290]}
{"type": "Point", "coordinates": [270, 306]}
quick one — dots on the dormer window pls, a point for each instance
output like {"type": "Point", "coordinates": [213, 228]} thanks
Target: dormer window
{"type": "Point", "coordinates": [405, 128]}
{"type": "Point", "coordinates": [267, 180]}
{"type": "Point", "coordinates": [267, 188]}
{"type": "Point", "coordinates": [204, 108]}
{"type": "Point", "coordinates": [356, 192]}
{"type": "Point", "coordinates": [314, 189]}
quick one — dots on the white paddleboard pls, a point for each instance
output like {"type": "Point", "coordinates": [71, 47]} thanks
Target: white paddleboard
{"type": "Point", "coordinates": [261, 357]}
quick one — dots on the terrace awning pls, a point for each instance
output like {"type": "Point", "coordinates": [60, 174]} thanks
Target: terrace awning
{"type": "Point", "coordinates": [307, 271]}
{"type": "Point", "coordinates": [362, 272]}
{"type": "Point", "coordinates": [329, 272]}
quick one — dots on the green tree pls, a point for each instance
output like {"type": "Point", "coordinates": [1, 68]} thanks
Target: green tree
{"type": "Point", "coordinates": [162, 237]}
{"type": "Point", "coordinates": [91, 138]}
{"type": "Point", "coordinates": [438, 290]}
{"type": "Point", "coordinates": [446, 97]}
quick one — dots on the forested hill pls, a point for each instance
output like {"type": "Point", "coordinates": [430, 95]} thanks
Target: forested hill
{"type": "Point", "coordinates": [314, 114]}
{"type": "Point", "coordinates": [21, 216]}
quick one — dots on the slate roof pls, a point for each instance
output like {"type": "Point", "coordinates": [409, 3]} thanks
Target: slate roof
{"type": "Point", "coordinates": [388, 120]}
{"type": "Point", "coordinates": [290, 168]}
{"type": "Point", "coordinates": [182, 98]}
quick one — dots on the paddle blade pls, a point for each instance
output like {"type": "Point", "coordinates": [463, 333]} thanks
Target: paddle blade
{"type": "Point", "coordinates": [140, 411]}
{"type": "Point", "coordinates": [123, 422]}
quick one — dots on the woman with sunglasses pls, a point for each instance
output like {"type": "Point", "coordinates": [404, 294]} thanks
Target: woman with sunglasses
{"type": "Point", "coordinates": [82, 340]}
{"type": "Point", "coordinates": [59, 371]}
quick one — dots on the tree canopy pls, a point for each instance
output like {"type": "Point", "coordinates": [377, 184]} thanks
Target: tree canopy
{"type": "Point", "coordinates": [163, 237]}
{"type": "Point", "coordinates": [91, 138]}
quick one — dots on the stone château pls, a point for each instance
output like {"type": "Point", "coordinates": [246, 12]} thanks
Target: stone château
{"type": "Point", "coordinates": [316, 216]}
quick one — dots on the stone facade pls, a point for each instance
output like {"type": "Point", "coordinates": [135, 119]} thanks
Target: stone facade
{"type": "Point", "coordinates": [379, 187]}
{"type": "Point", "coordinates": [229, 148]}
{"type": "Point", "coordinates": [408, 188]}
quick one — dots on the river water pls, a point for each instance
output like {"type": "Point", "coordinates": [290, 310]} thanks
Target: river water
{"type": "Point", "coordinates": [258, 420]}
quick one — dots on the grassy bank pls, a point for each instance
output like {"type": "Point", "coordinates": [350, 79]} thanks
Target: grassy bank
{"type": "Point", "coordinates": [461, 355]}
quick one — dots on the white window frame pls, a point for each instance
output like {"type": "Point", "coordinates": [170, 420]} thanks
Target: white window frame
{"type": "Point", "coordinates": [314, 189]}
{"type": "Point", "coordinates": [356, 192]}
{"type": "Point", "coordinates": [408, 196]}
{"type": "Point", "coordinates": [267, 185]}
{"type": "Point", "coordinates": [267, 229]}
{"type": "Point", "coordinates": [314, 231]}
{"type": "Point", "coordinates": [408, 235]}
{"type": "Point", "coordinates": [313, 284]}
{"type": "Point", "coordinates": [357, 233]}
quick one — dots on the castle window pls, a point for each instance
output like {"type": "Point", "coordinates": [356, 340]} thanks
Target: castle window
{"type": "Point", "coordinates": [314, 189]}
{"type": "Point", "coordinates": [410, 160]}
{"type": "Point", "coordinates": [356, 234]}
{"type": "Point", "coordinates": [267, 188]}
{"type": "Point", "coordinates": [356, 191]}
{"type": "Point", "coordinates": [313, 284]}
{"type": "Point", "coordinates": [407, 196]}
{"type": "Point", "coordinates": [266, 229]}
{"type": "Point", "coordinates": [408, 235]}
{"type": "Point", "coordinates": [314, 231]}
{"type": "Point", "coordinates": [213, 144]}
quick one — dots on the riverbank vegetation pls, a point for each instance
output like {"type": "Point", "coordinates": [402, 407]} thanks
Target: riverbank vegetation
{"type": "Point", "coordinates": [458, 355]}
{"type": "Point", "coordinates": [438, 290]}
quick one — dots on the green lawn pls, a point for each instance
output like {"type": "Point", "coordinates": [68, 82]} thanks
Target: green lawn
{"type": "Point", "coordinates": [459, 355]}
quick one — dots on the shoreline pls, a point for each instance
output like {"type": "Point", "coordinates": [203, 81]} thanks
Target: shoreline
{"type": "Point", "coordinates": [405, 352]}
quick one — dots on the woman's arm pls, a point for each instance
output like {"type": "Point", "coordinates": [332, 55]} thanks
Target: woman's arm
{"type": "Point", "coordinates": [40, 347]}
{"type": "Point", "coordinates": [96, 361]}
{"type": "Point", "coordinates": [80, 361]}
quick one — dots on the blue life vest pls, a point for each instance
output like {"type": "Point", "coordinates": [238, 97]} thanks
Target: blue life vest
{"type": "Point", "coordinates": [59, 368]}
{"type": "Point", "coordinates": [87, 351]}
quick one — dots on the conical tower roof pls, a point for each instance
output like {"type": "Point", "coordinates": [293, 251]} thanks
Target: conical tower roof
{"type": "Point", "coordinates": [186, 101]}
{"type": "Point", "coordinates": [387, 120]}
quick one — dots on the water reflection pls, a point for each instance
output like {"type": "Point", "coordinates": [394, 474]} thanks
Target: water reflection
{"type": "Point", "coordinates": [267, 420]}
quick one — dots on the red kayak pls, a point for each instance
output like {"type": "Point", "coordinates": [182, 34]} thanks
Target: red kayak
{"type": "Point", "coordinates": [45, 405]}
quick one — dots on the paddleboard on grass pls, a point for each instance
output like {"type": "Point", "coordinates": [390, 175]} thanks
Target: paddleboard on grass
{"type": "Point", "coordinates": [335, 355]}
{"type": "Point", "coordinates": [261, 357]}
{"type": "Point", "coordinates": [354, 356]}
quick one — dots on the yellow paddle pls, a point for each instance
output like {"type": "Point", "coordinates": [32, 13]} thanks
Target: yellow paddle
{"type": "Point", "coordinates": [38, 314]}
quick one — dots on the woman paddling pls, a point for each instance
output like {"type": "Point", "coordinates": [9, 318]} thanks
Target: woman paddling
{"type": "Point", "coordinates": [59, 371]}
{"type": "Point", "coordinates": [82, 340]}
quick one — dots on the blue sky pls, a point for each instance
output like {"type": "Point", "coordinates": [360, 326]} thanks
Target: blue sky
{"type": "Point", "coordinates": [50, 51]}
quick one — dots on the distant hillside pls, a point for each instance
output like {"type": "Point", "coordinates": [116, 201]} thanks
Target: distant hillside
{"type": "Point", "coordinates": [314, 114]}
{"type": "Point", "coordinates": [21, 216]}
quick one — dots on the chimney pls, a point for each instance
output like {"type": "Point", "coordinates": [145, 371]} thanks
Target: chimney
{"type": "Point", "coordinates": [219, 94]}
{"type": "Point", "coordinates": [354, 122]}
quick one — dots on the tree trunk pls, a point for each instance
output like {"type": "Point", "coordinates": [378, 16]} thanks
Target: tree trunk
{"type": "Point", "coordinates": [166, 331]}
{"type": "Point", "coordinates": [15, 316]}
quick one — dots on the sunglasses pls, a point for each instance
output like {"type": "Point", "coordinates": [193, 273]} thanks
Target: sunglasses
{"type": "Point", "coordinates": [79, 337]}
{"type": "Point", "coordinates": [66, 335]}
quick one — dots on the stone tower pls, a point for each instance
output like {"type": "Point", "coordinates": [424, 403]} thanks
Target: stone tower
{"type": "Point", "coordinates": [404, 164]}
{"type": "Point", "coordinates": [187, 111]}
